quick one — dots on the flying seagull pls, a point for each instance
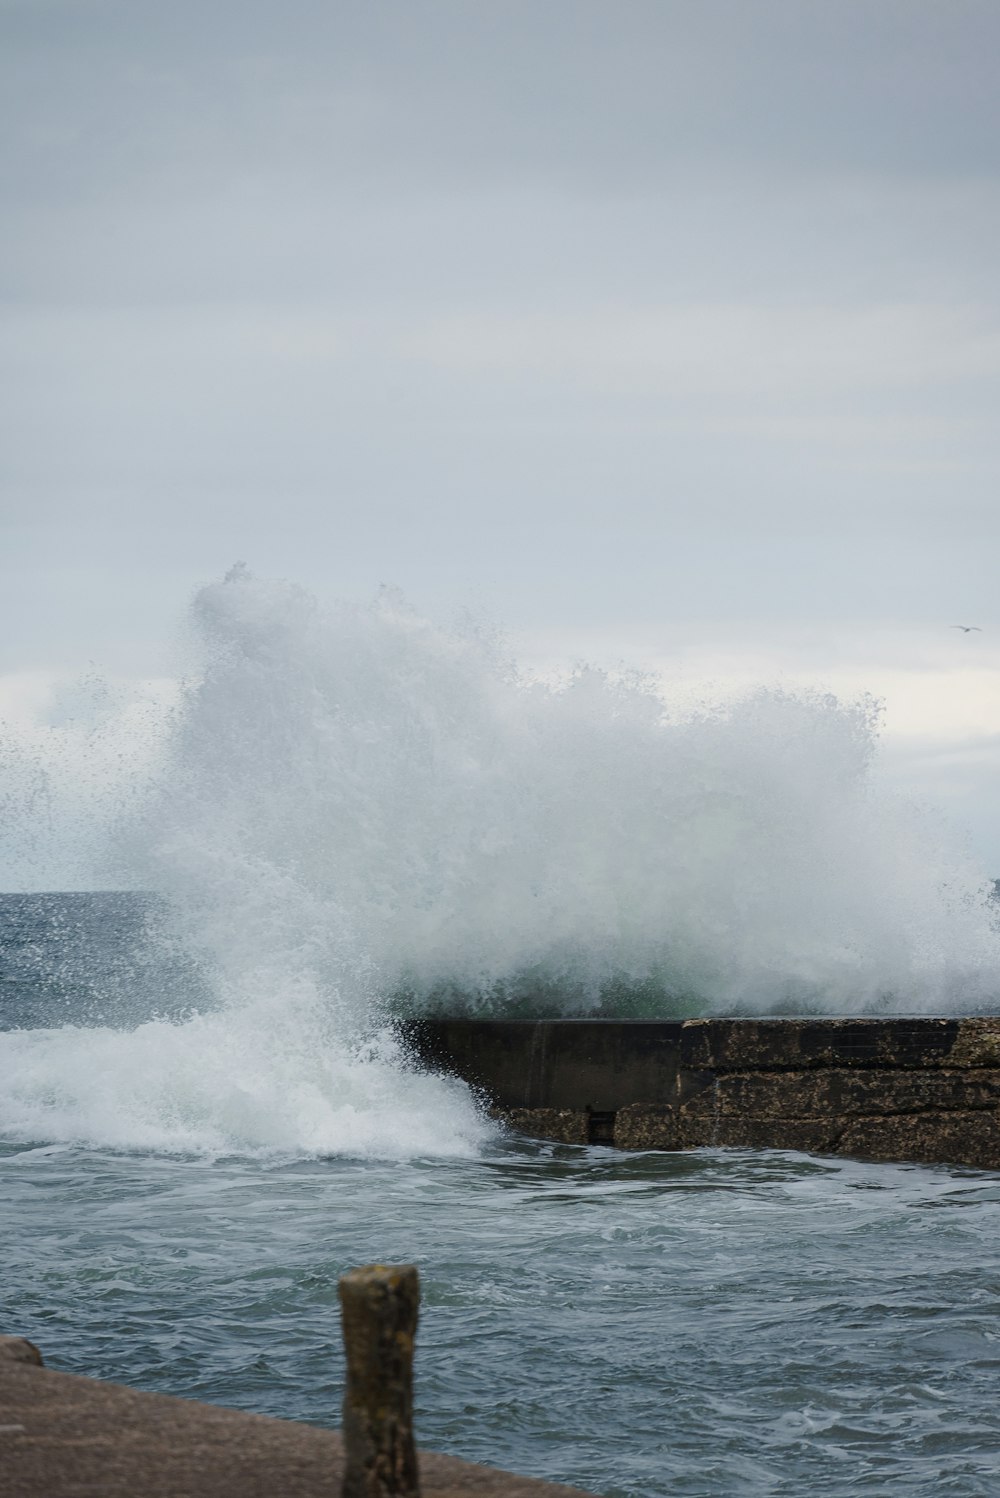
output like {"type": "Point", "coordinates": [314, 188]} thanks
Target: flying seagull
{"type": "Point", "coordinates": [966, 628]}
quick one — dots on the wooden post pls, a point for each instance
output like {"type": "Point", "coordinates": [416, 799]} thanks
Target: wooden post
{"type": "Point", "coordinates": [379, 1315]}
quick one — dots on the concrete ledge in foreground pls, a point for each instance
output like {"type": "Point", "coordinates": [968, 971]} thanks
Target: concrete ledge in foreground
{"type": "Point", "coordinates": [923, 1090]}
{"type": "Point", "coordinates": [62, 1436]}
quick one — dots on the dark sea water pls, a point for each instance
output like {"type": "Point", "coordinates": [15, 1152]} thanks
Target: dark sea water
{"type": "Point", "coordinates": [712, 1323]}
{"type": "Point", "coordinates": [87, 959]}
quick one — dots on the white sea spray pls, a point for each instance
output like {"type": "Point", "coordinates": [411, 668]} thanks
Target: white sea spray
{"type": "Point", "coordinates": [355, 814]}
{"type": "Point", "coordinates": [356, 794]}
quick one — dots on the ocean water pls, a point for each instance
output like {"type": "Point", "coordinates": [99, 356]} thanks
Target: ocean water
{"type": "Point", "coordinates": [207, 1112]}
{"type": "Point", "coordinates": [709, 1323]}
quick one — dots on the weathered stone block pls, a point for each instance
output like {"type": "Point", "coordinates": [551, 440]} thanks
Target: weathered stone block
{"type": "Point", "coordinates": [775, 1044]}
{"type": "Point", "coordinates": [842, 1092]}
{"type": "Point", "coordinates": [643, 1126]}
{"type": "Point", "coordinates": [816, 1136]}
{"type": "Point", "coordinates": [564, 1125]}
{"type": "Point", "coordinates": [977, 1043]}
{"type": "Point", "coordinates": [957, 1138]}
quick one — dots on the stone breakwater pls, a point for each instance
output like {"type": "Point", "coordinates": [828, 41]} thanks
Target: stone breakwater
{"type": "Point", "coordinates": [922, 1090]}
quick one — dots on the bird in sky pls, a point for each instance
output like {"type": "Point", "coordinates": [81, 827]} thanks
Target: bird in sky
{"type": "Point", "coordinates": [966, 628]}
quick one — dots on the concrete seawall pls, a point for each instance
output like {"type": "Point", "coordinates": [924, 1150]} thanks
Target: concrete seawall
{"type": "Point", "coordinates": [924, 1090]}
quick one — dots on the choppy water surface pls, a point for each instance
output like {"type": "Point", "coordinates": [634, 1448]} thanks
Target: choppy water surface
{"type": "Point", "coordinates": [712, 1323]}
{"type": "Point", "coordinates": [206, 1116]}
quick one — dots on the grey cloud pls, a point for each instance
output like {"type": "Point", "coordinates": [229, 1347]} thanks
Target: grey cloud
{"type": "Point", "coordinates": [132, 94]}
{"type": "Point", "coordinates": [831, 242]}
{"type": "Point", "coordinates": [661, 321]}
{"type": "Point", "coordinates": [518, 151]}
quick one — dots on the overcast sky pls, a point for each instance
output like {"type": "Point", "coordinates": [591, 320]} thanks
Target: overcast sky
{"type": "Point", "coordinates": [661, 330]}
